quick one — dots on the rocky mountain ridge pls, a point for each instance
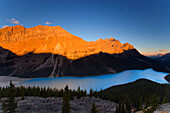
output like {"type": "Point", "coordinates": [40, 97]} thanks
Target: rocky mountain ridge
{"type": "Point", "coordinates": [55, 40]}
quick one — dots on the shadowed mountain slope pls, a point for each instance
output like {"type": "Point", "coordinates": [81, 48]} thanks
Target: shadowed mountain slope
{"type": "Point", "coordinates": [53, 65]}
{"type": "Point", "coordinates": [164, 61]}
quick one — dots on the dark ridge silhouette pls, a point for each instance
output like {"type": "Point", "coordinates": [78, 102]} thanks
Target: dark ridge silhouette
{"type": "Point", "coordinates": [167, 77]}
{"type": "Point", "coordinates": [33, 65]}
{"type": "Point", "coordinates": [165, 57]}
{"type": "Point", "coordinates": [136, 93]}
{"type": "Point", "coordinates": [141, 81]}
{"type": "Point", "coordinates": [164, 63]}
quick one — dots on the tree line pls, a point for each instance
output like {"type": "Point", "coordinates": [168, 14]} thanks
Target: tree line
{"type": "Point", "coordinates": [41, 92]}
{"type": "Point", "coordinates": [142, 94]}
{"type": "Point", "coordinates": [139, 95]}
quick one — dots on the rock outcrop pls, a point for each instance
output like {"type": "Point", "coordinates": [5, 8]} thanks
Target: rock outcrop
{"type": "Point", "coordinates": [55, 40]}
{"type": "Point", "coordinates": [164, 108]}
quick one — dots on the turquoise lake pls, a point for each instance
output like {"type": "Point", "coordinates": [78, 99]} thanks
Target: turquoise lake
{"type": "Point", "coordinates": [97, 82]}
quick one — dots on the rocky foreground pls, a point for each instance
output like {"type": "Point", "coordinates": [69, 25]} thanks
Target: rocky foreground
{"type": "Point", "coordinates": [83, 105]}
{"type": "Point", "coordinates": [54, 105]}
{"type": "Point", "coordinates": [164, 108]}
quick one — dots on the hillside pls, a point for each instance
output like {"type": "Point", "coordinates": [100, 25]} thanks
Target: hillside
{"type": "Point", "coordinates": [139, 93]}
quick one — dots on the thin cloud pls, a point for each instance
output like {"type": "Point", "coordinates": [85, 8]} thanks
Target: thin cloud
{"type": "Point", "coordinates": [47, 23]}
{"type": "Point", "coordinates": [13, 21]}
{"type": "Point", "coordinates": [4, 26]}
{"type": "Point", "coordinates": [162, 50]}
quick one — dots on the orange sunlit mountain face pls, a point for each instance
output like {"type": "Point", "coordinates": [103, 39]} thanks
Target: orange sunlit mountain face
{"type": "Point", "coordinates": [56, 40]}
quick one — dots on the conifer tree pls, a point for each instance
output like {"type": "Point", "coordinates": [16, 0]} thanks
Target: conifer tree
{"type": "Point", "coordinates": [128, 106]}
{"type": "Point", "coordinates": [22, 98]}
{"type": "Point", "coordinates": [165, 100]}
{"type": "Point", "coordinates": [93, 109]}
{"type": "Point", "coordinates": [85, 93]}
{"type": "Point", "coordinates": [9, 105]}
{"type": "Point", "coordinates": [91, 93]}
{"type": "Point", "coordinates": [66, 101]}
{"type": "Point", "coordinates": [140, 104]}
{"type": "Point", "coordinates": [154, 102]}
{"type": "Point", "coordinates": [117, 109]}
{"type": "Point", "coordinates": [78, 92]}
{"type": "Point", "coordinates": [122, 108]}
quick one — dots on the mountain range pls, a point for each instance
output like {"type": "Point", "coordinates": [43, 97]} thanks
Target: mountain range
{"type": "Point", "coordinates": [44, 51]}
{"type": "Point", "coordinates": [55, 40]}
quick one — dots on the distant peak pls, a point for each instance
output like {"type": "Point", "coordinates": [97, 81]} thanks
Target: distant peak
{"type": "Point", "coordinates": [111, 39]}
{"type": "Point", "coordinates": [16, 26]}
{"type": "Point", "coordinates": [47, 27]}
{"type": "Point", "coordinates": [126, 43]}
{"type": "Point", "coordinates": [127, 46]}
{"type": "Point", "coordinates": [58, 27]}
{"type": "Point", "coordinates": [100, 39]}
{"type": "Point", "coordinates": [12, 29]}
{"type": "Point", "coordinates": [39, 26]}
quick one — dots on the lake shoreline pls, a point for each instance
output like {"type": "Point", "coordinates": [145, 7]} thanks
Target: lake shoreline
{"type": "Point", "coordinates": [48, 82]}
{"type": "Point", "coordinates": [4, 80]}
{"type": "Point", "coordinates": [97, 82]}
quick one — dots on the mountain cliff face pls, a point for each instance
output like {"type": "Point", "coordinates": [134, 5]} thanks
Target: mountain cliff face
{"type": "Point", "coordinates": [45, 51]}
{"type": "Point", "coordinates": [55, 40]}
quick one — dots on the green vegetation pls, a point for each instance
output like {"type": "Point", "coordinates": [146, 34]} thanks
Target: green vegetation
{"type": "Point", "coordinates": [66, 101]}
{"type": "Point", "coordinates": [142, 94]}
{"type": "Point", "coordinates": [9, 105]}
{"type": "Point", "coordinates": [165, 100]}
{"type": "Point", "coordinates": [41, 92]}
{"type": "Point", "coordinates": [93, 109]}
